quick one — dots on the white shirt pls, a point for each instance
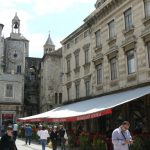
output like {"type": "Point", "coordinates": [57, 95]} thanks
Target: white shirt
{"type": "Point", "coordinates": [15, 127]}
{"type": "Point", "coordinates": [43, 134]}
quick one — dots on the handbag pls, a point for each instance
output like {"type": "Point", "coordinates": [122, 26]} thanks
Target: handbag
{"type": "Point", "coordinates": [65, 136]}
{"type": "Point", "coordinates": [50, 144]}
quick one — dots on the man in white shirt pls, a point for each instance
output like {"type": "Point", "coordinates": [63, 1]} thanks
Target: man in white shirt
{"type": "Point", "coordinates": [15, 131]}
{"type": "Point", "coordinates": [43, 134]}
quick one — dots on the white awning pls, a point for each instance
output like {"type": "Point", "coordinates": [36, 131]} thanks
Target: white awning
{"type": "Point", "coordinates": [91, 108]}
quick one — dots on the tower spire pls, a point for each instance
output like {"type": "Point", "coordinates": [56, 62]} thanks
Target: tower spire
{"type": "Point", "coordinates": [49, 45]}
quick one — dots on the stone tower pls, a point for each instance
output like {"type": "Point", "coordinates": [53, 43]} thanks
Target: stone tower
{"type": "Point", "coordinates": [16, 49]}
{"type": "Point", "coordinates": [1, 49]}
{"type": "Point", "coordinates": [49, 46]}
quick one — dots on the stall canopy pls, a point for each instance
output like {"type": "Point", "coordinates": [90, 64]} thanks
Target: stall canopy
{"type": "Point", "coordinates": [87, 109]}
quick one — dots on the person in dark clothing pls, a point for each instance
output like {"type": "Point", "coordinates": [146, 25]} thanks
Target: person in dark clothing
{"type": "Point", "coordinates": [62, 139]}
{"type": "Point", "coordinates": [54, 137]}
{"type": "Point", "coordinates": [7, 142]}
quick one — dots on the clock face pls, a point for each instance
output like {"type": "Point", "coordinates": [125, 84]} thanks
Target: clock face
{"type": "Point", "coordinates": [14, 55]}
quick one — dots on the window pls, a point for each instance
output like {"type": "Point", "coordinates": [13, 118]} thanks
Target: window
{"type": "Point", "coordinates": [68, 45]}
{"type": "Point", "coordinates": [99, 73]}
{"type": "Point", "coordinates": [77, 60]}
{"type": "Point", "coordinates": [98, 39]}
{"type": "Point", "coordinates": [111, 26]}
{"type": "Point", "coordinates": [9, 90]}
{"type": "Point", "coordinates": [68, 65]}
{"type": "Point", "coordinates": [56, 98]}
{"type": "Point", "coordinates": [60, 98]}
{"type": "Point", "coordinates": [148, 51]}
{"type": "Point", "coordinates": [77, 90]}
{"type": "Point", "coordinates": [68, 93]}
{"type": "Point", "coordinates": [76, 40]}
{"type": "Point", "coordinates": [147, 8]}
{"type": "Point", "coordinates": [86, 33]}
{"type": "Point", "coordinates": [87, 88]}
{"type": "Point", "coordinates": [113, 68]}
{"type": "Point", "coordinates": [86, 56]}
{"type": "Point", "coordinates": [128, 19]}
{"type": "Point", "coordinates": [19, 69]}
{"type": "Point", "coordinates": [131, 62]}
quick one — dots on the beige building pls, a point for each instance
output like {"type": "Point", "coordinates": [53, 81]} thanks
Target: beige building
{"type": "Point", "coordinates": [109, 53]}
{"type": "Point", "coordinates": [50, 77]}
{"type": "Point", "coordinates": [110, 49]}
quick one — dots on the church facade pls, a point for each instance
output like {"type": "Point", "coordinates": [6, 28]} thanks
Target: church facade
{"type": "Point", "coordinates": [13, 51]}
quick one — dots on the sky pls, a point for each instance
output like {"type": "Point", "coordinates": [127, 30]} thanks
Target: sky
{"type": "Point", "coordinates": [41, 17]}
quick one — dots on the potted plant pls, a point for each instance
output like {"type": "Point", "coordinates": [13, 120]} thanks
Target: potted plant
{"type": "Point", "coordinates": [99, 143]}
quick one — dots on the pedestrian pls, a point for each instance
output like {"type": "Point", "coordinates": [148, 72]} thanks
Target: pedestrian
{"type": "Point", "coordinates": [7, 142]}
{"type": "Point", "coordinates": [43, 134]}
{"type": "Point", "coordinates": [54, 137]}
{"type": "Point", "coordinates": [62, 133]}
{"type": "Point", "coordinates": [121, 137]}
{"type": "Point", "coordinates": [28, 134]}
{"type": "Point", "coordinates": [15, 131]}
{"type": "Point", "coordinates": [2, 129]}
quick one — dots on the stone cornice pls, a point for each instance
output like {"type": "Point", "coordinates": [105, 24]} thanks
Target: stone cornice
{"type": "Point", "coordinates": [104, 10]}
{"type": "Point", "coordinates": [74, 34]}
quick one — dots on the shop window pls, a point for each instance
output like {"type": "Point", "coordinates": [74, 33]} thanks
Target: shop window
{"type": "Point", "coordinates": [112, 32]}
{"type": "Point", "coordinates": [147, 8]}
{"type": "Point", "coordinates": [99, 73]}
{"type": "Point", "coordinates": [131, 61]}
{"type": "Point", "coordinates": [113, 68]}
{"type": "Point", "coordinates": [9, 90]}
{"type": "Point", "coordinates": [128, 19]}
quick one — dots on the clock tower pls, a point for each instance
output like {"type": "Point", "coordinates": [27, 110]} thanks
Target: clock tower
{"type": "Point", "coordinates": [16, 49]}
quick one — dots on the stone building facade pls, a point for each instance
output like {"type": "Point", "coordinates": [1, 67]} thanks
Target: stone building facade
{"type": "Point", "coordinates": [50, 77]}
{"type": "Point", "coordinates": [109, 53]}
{"type": "Point", "coordinates": [13, 51]}
{"type": "Point", "coordinates": [32, 86]}
{"type": "Point", "coordinates": [115, 35]}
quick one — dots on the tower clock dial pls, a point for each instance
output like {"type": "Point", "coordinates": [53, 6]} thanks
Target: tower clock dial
{"type": "Point", "coordinates": [14, 55]}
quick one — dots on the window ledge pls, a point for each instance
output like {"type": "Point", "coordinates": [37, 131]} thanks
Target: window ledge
{"type": "Point", "coordinates": [77, 69]}
{"type": "Point", "coordinates": [114, 82]}
{"type": "Point", "coordinates": [86, 65]}
{"type": "Point", "coordinates": [98, 48]}
{"type": "Point", "coordinates": [129, 31]}
{"type": "Point", "coordinates": [99, 86]}
{"type": "Point", "coordinates": [112, 40]}
{"type": "Point", "coordinates": [131, 77]}
{"type": "Point", "coordinates": [146, 20]}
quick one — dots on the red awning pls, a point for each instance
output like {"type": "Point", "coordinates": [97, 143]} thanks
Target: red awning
{"type": "Point", "coordinates": [87, 109]}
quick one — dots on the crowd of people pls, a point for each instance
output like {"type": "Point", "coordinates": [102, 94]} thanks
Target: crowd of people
{"type": "Point", "coordinates": [121, 137]}
{"type": "Point", "coordinates": [47, 134]}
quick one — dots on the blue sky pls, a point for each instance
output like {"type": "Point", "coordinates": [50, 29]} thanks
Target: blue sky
{"type": "Point", "coordinates": [38, 17]}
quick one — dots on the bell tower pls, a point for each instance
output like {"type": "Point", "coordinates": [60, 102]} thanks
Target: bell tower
{"type": "Point", "coordinates": [49, 45]}
{"type": "Point", "coordinates": [16, 25]}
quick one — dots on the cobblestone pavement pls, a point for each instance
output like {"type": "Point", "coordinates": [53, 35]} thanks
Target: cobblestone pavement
{"type": "Point", "coordinates": [33, 146]}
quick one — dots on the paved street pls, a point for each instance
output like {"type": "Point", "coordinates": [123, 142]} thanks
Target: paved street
{"type": "Point", "coordinates": [34, 146]}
